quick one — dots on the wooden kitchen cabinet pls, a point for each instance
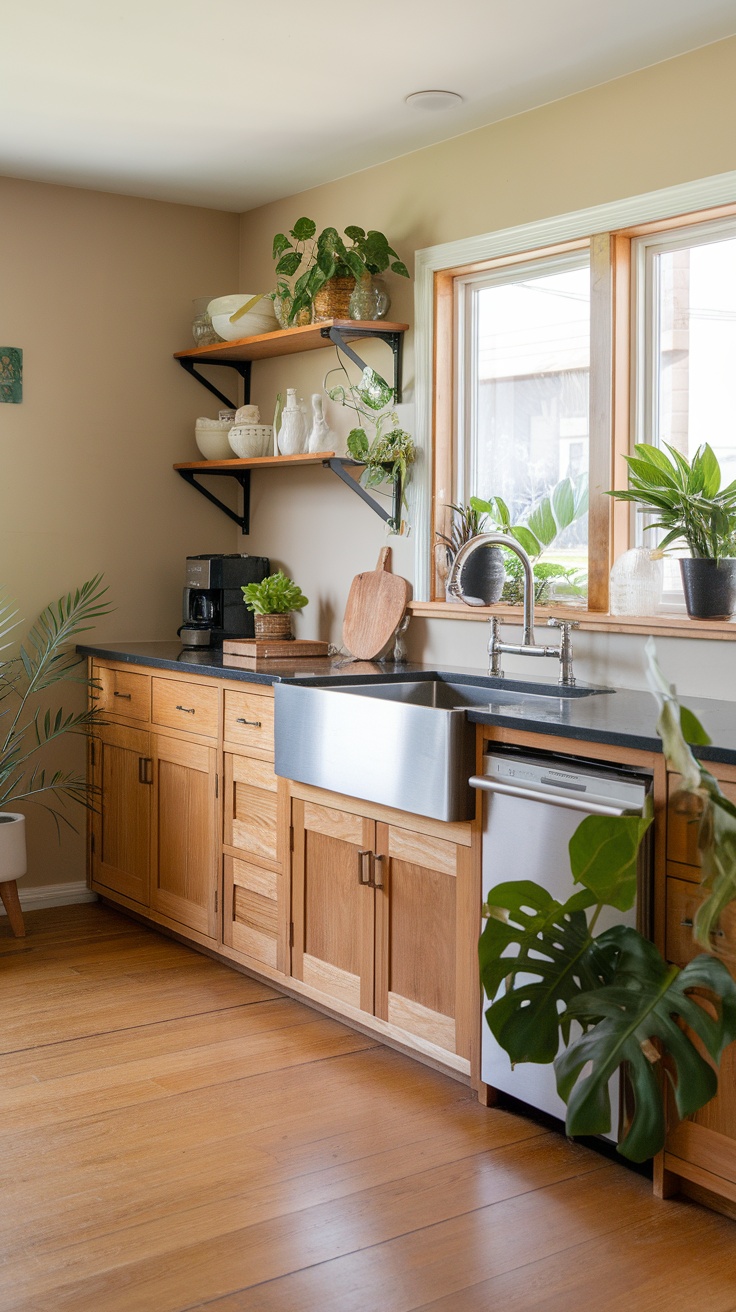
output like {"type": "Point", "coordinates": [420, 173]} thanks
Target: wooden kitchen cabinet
{"type": "Point", "coordinates": [384, 906]}
{"type": "Point", "coordinates": [153, 838]}
{"type": "Point", "coordinates": [255, 875]}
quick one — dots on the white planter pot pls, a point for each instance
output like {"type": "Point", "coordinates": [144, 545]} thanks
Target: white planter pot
{"type": "Point", "coordinates": [13, 863]}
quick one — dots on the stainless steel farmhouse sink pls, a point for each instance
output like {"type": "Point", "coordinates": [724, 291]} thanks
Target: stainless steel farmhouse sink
{"type": "Point", "coordinates": [405, 743]}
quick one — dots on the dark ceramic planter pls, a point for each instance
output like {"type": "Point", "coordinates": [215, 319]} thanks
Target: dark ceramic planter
{"type": "Point", "coordinates": [483, 575]}
{"type": "Point", "coordinates": [710, 588]}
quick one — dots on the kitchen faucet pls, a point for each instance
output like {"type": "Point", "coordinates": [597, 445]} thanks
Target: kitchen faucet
{"type": "Point", "coordinates": [528, 647]}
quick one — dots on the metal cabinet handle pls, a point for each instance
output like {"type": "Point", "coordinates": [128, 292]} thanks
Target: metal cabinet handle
{"type": "Point", "coordinates": [362, 868]}
{"type": "Point", "coordinates": [188, 710]}
{"type": "Point", "coordinates": [686, 923]}
{"type": "Point", "coordinates": [125, 695]}
{"type": "Point", "coordinates": [378, 868]}
{"type": "Point", "coordinates": [145, 770]}
{"type": "Point", "coordinates": [256, 723]}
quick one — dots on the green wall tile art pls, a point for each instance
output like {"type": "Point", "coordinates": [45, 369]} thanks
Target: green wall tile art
{"type": "Point", "coordinates": [11, 375]}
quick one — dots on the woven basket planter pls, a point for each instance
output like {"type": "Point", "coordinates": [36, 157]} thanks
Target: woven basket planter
{"type": "Point", "coordinates": [332, 301]}
{"type": "Point", "coordinates": [273, 626]}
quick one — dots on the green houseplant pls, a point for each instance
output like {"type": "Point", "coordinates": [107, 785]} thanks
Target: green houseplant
{"type": "Point", "coordinates": [566, 503]}
{"type": "Point", "coordinates": [693, 509]}
{"type": "Point", "coordinates": [380, 443]}
{"type": "Point", "coordinates": [322, 258]}
{"type": "Point", "coordinates": [272, 602]}
{"type": "Point", "coordinates": [593, 1004]}
{"type": "Point", "coordinates": [28, 728]}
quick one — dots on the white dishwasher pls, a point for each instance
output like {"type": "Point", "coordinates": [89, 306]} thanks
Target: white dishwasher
{"type": "Point", "coordinates": [532, 805]}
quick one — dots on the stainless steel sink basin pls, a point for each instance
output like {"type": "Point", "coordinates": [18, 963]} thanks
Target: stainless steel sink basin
{"type": "Point", "coordinates": [403, 743]}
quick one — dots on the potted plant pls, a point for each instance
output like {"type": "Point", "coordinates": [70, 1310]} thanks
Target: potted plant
{"type": "Point", "coordinates": [593, 1004]}
{"type": "Point", "coordinates": [389, 451]}
{"type": "Point", "coordinates": [484, 573]}
{"type": "Point", "coordinates": [692, 508]}
{"type": "Point", "coordinates": [27, 729]}
{"type": "Point", "coordinates": [331, 269]}
{"type": "Point", "coordinates": [547, 519]}
{"type": "Point", "coordinates": [272, 602]}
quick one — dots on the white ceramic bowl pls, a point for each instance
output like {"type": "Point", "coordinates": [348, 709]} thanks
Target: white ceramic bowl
{"type": "Point", "coordinates": [261, 319]}
{"type": "Point", "coordinates": [211, 438]}
{"type": "Point", "coordinates": [249, 441]}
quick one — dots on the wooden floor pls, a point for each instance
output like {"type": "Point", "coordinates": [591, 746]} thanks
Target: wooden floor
{"type": "Point", "coordinates": [174, 1135]}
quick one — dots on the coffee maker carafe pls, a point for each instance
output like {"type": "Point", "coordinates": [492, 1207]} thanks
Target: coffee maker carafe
{"type": "Point", "coordinates": [213, 607]}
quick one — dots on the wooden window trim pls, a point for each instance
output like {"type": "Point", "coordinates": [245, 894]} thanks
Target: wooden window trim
{"type": "Point", "coordinates": [610, 426]}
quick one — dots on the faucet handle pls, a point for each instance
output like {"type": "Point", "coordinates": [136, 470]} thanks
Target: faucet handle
{"type": "Point", "coordinates": [562, 624]}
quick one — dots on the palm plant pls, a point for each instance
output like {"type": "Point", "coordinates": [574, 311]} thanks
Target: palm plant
{"type": "Point", "coordinates": [26, 730]}
{"type": "Point", "coordinates": [687, 498]}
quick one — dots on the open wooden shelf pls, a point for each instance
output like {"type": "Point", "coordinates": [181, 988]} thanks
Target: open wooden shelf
{"type": "Point", "coordinates": [289, 341]}
{"type": "Point", "coordinates": [257, 462]}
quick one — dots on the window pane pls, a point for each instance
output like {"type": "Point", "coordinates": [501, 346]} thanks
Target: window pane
{"type": "Point", "coordinates": [531, 395]}
{"type": "Point", "coordinates": [694, 384]}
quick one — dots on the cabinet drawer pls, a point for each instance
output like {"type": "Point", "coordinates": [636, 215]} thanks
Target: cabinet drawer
{"type": "Point", "coordinates": [123, 693]}
{"type": "Point", "coordinates": [683, 900]}
{"type": "Point", "coordinates": [253, 905]}
{"type": "Point", "coordinates": [682, 821]}
{"type": "Point", "coordinates": [249, 719]}
{"type": "Point", "coordinates": [188, 706]}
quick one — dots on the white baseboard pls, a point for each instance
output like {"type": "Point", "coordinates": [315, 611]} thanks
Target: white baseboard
{"type": "Point", "coordinates": [53, 895]}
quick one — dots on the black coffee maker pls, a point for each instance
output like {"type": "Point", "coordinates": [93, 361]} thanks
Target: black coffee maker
{"type": "Point", "coordinates": [213, 607]}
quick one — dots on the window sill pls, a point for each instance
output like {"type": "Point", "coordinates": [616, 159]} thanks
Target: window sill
{"type": "Point", "coordinates": [660, 626]}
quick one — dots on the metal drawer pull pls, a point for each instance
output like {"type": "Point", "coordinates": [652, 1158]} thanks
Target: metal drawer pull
{"type": "Point", "coordinates": [686, 923]}
{"type": "Point", "coordinates": [188, 710]}
{"type": "Point", "coordinates": [378, 871]}
{"type": "Point", "coordinates": [361, 869]}
{"type": "Point", "coordinates": [145, 775]}
{"type": "Point", "coordinates": [256, 723]}
{"type": "Point", "coordinates": [125, 695]}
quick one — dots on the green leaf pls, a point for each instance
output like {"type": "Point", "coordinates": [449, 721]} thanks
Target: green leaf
{"type": "Point", "coordinates": [303, 230]}
{"type": "Point", "coordinates": [708, 470]}
{"type": "Point", "coordinates": [603, 857]}
{"type": "Point", "coordinates": [281, 243]}
{"type": "Point", "coordinates": [641, 1007]}
{"type": "Point", "coordinates": [354, 233]}
{"type": "Point", "coordinates": [357, 444]}
{"type": "Point", "coordinates": [354, 263]}
{"type": "Point", "coordinates": [275, 595]}
{"type": "Point", "coordinates": [400, 268]}
{"type": "Point", "coordinates": [289, 263]}
{"type": "Point", "coordinates": [552, 944]}
{"type": "Point", "coordinates": [541, 521]}
{"type": "Point", "coordinates": [527, 540]}
{"type": "Point", "coordinates": [692, 730]}
{"type": "Point", "coordinates": [563, 503]}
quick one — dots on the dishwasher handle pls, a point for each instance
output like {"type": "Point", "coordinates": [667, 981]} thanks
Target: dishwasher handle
{"type": "Point", "coordinates": [489, 785]}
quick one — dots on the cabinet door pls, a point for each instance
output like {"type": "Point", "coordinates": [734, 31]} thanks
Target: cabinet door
{"type": "Point", "coordinates": [251, 807]}
{"type": "Point", "coordinates": [417, 914]}
{"type": "Point", "coordinates": [121, 826]}
{"type": "Point", "coordinates": [184, 848]}
{"type": "Point", "coordinates": [332, 908]}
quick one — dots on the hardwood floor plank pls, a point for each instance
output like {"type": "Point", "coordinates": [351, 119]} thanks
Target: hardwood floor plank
{"type": "Point", "coordinates": [176, 1136]}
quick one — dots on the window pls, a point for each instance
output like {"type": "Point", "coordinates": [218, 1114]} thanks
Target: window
{"type": "Point", "coordinates": [546, 351]}
{"type": "Point", "coordinates": [523, 371]}
{"type": "Point", "coordinates": [685, 349]}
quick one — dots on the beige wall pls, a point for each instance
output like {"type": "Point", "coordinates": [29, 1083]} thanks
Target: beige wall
{"type": "Point", "coordinates": [97, 290]}
{"type": "Point", "coordinates": [667, 125]}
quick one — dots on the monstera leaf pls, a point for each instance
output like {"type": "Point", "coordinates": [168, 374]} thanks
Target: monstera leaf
{"type": "Point", "coordinates": [639, 1009]}
{"type": "Point", "coordinates": [554, 947]}
{"type": "Point", "coordinates": [603, 856]}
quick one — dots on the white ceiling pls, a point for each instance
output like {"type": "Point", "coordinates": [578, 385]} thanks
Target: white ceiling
{"type": "Point", "coordinates": [232, 103]}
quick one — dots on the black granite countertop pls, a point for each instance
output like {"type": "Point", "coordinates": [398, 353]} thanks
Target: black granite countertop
{"type": "Point", "coordinates": [620, 717]}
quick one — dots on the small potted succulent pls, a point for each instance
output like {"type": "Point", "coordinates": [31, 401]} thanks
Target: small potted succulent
{"type": "Point", "coordinates": [691, 506]}
{"type": "Point", "coordinates": [331, 270]}
{"type": "Point", "coordinates": [272, 602]}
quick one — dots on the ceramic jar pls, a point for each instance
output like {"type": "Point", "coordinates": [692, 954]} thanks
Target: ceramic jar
{"type": "Point", "coordinates": [292, 435]}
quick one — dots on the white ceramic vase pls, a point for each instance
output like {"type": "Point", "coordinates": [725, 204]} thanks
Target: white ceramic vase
{"type": "Point", "coordinates": [292, 438]}
{"type": "Point", "coordinates": [321, 437]}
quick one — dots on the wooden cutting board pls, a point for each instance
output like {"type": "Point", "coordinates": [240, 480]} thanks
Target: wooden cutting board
{"type": "Point", "coordinates": [273, 649]}
{"type": "Point", "coordinates": [376, 605]}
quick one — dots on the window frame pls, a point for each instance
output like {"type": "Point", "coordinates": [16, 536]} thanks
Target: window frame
{"type": "Point", "coordinates": [609, 231]}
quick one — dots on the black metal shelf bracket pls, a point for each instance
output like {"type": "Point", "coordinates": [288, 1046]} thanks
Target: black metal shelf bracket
{"type": "Point", "coordinates": [242, 367]}
{"type": "Point", "coordinates": [339, 337]}
{"type": "Point", "coordinates": [242, 476]}
{"type": "Point", "coordinates": [339, 465]}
